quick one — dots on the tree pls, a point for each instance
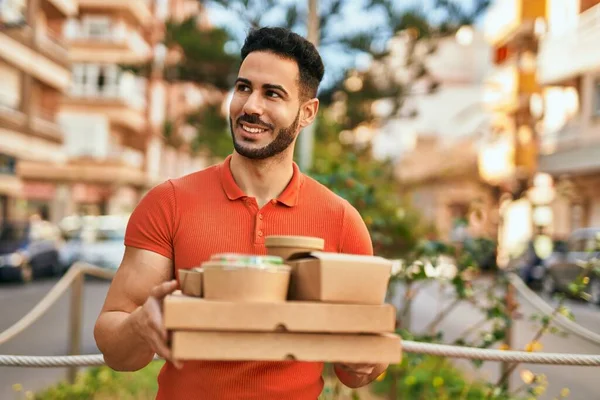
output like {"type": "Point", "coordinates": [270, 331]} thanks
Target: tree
{"type": "Point", "coordinates": [204, 58]}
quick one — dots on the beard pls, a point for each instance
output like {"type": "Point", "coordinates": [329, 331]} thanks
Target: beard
{"type": "Point", "coordinates": [284, 138]}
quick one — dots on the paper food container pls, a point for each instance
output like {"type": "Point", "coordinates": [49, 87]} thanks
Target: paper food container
{"type": "Point", "coordinates": [246, 278]}
{"type": "Point", "coordinates": [190, 282]}
{"type": "Point", "coordinates": [339, 278]}
{"type": "Point", "coordinates": [261, 346]}
{"type": "Point", "coordinates": [194, 314]}
{"type": "Point", "coordinates": [287, 246]}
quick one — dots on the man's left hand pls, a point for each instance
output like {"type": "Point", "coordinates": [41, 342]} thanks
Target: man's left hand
{"type": "Point", "coordinates": [355, 375]}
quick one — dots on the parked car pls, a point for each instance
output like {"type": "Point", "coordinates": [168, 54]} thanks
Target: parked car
{"type": "Point", "coordinates": [564, 265]}
{"type": "Point", "coordinates": [96, 240]}
{"type": "Point", "coordinates": [29, 250]}
{"type": "Point", "coordinates": [530, 266]}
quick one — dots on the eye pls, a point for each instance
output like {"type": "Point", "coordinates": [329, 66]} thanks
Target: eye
{"type": "Point", "coordinates": [272, 94]}
{"type": "Point", "coordinates": [241, 87]}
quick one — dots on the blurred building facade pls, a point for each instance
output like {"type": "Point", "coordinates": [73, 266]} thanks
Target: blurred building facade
{"type": "Point", "coordinates": [435, 142]}
{"type": "Point", "coordinates": [545, 95]}
{"type": "Point", "coordinates": [82, 128]}
{"type": "Point", "coordinates": [569, 70]}
{"type": "Point", "coordinates": [35, 71]}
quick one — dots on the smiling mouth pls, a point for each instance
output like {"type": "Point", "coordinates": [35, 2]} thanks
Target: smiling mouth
{"type": "Point", "coordinates": [252, 130]}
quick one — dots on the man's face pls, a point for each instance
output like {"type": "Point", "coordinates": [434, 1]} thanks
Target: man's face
{"type": "Point", "coordinates": [265, 110]}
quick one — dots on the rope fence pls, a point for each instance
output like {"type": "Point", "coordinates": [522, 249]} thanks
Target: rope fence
{"type": "Point", "coordinates": [536, 301]}
{"type": "Point", "coordinates": [407, 346]}
{"type": "Point", "coordinates": [78, 270]}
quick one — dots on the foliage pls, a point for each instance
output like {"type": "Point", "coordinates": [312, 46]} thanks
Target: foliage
{"type": "Point", "coordinates": [204, 58]}
{"type": "Point", "coordinates": [369, 185]}
{"type": "Point", "coordinates": [212, 131]}
{"type": "Point", "coordinates": [102, 383]}
{"type": "Point", "coordinates": [434, 378]}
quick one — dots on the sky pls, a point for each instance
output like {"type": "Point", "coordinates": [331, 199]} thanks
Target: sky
{"type": "Point", "coordinates": [336, 61]}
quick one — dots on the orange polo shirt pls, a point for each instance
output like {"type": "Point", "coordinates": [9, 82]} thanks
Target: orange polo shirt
{"type": "Point", "coordinates": [193, 217]}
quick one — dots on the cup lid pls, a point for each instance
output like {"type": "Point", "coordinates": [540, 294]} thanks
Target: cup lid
{"type": "Point", "coordinates": [249, 259]}
{"type": "Point", "coordinates": [309, 242]}
{"type": "Point", "coordinates": [232, 266]}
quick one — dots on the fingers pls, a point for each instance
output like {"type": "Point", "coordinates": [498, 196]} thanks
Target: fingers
{"type": "Point", "coordinates": [164, 289]}
{"type": "Point", "coordinates": [161, 348]}
{"type": "Point", "coordinates": [155, 319]}
{"type": "Point", "coordinates": [357, 369]}
{"type": "Point", "coordinates": [157, 333]}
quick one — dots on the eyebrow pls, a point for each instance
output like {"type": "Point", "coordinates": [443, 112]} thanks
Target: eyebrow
{"type": "Point", "coordinates": [265, 86]}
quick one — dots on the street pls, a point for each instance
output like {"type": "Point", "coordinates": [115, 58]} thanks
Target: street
{"type": "Point", "coordinates": [49, 336]}
{"type": "Point", "coordinates": [580, 380]}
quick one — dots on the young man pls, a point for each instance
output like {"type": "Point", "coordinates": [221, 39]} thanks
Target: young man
{"type": "Point", "coordinates": [231, 207]}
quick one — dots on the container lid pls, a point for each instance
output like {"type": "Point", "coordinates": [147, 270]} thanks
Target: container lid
{"type": "Point", "coordinates": [308, 242]}
{"type": "Point", "coordinates": [231, 266]}
{"type": "Point", "coordinates": [249, 259]}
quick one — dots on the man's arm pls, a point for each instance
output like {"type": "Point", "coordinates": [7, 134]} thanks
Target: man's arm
{"type": "Point", "coordinates": [129, 330]}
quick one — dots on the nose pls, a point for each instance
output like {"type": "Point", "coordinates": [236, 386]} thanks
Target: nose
{"type": "Point", "coordinates": [254, 104]}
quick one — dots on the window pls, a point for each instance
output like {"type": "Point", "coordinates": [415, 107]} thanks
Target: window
{"type": "Point", "coordinates": [10, 87]}
{"type": "Point", "coordinates": [97, 27]}
{"type": "Point", "coordinates": [597, 97]}
{"type": "Point", "coordinates": [12, 12]}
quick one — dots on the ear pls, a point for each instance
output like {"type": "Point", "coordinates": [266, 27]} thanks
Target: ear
{"type": "Point", "coordinates": [308, 112]}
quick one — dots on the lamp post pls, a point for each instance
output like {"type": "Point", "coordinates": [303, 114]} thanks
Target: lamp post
{"type": "Point", "coordinates": [541, 196]}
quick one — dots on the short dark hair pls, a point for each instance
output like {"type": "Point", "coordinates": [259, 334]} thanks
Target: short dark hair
{"type": "Point", "coordinates": [287, 44]}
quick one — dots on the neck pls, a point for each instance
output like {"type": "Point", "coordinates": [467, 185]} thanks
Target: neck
{"type": "Point", "coordinates": [262, 179]}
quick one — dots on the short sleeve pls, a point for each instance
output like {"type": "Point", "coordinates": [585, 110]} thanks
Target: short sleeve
{"type": "Point", "coordinates": [355, 235]}
{"type": "Point", "coordinates": [151, 225]}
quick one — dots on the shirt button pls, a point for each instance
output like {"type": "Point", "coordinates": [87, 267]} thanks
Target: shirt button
{"type": "Point", "coordinates": [260, 216]}
{"type": "Point", "coordinates": [274, 201]}
{"type": "Point", "coordinates": [260, 233]}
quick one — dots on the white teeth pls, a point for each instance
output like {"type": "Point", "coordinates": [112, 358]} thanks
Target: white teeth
{"type": "Point", "coordinates": [252, 130]}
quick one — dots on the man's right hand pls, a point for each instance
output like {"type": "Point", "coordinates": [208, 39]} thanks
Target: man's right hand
{"type": "Point", "coordinates": [147, 321]}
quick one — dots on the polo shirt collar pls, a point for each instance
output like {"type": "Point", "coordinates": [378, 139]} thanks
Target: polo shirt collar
{"type": "Point", "coordinates": [288, 197]}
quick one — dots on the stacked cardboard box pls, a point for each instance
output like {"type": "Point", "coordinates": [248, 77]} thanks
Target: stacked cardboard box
{"type": "Point", "coordinates": [335, 312]}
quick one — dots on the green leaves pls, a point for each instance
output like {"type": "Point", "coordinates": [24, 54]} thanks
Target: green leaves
{"type": "Point", "coordinates": [204, 58]}
{"type": "Point", "coordinates": [212, 131]}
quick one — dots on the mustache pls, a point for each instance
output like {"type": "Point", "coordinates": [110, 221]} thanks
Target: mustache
{"type": "Point", "coordinates": [253, 119]}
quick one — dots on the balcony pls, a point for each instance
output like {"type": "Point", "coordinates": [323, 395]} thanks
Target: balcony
{"type": "Point", "coordinates": [65, 8]}
{"type": "Point", "coordinates": [43, 57]}
{"type": "Point", "coordinates": [123, 102]}
{"type": "Point", "coordinates": [12, 119]}
{"type": "Point", "coordinates": [508, 20]}
{"type": "Point", "coordinates": [53, 46]}
{"type": "Point", "coordinates": [91, 164]}
{"type": "Point", "coordinates": [137, 11]}
{"type": "Point", "coordinates": [42, 125]}
{"type": "Point", "coordinates": [573, 149]}
{"type": "Point", "coordinates": [572, 52]}
{"type": "Point", "coordinates": [83, 170]}
{"type": "Point", "coordinates": [507, 87]}
{"type": "Point", "coordinates": [117, 44]}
